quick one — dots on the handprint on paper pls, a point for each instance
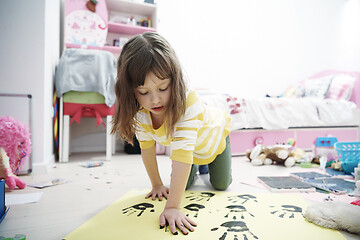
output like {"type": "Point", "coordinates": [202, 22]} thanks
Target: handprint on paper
{"type": "Point", "coordinates": [194, 208]}
{"type": "Point", "coordinates": [206, 196]}
{"type": "Point", "coordinates": [235, 229]}
{"type": "Point", "coordinates": [242, 197]}
{"type": "Point", "coordinates": [141, 207]}
{"type": "Point", "coordinates": [287, 209]}
{"type": "Point", "coordinates": [236, 210]}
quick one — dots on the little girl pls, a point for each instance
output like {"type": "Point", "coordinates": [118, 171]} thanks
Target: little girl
{"type": "Point", "coordinates": [154, 103]}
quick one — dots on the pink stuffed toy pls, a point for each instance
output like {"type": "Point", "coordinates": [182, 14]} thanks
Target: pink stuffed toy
{"type": "Point", "coordinates": [15, 149]}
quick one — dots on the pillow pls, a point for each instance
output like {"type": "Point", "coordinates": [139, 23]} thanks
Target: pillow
{"type": "Point", "coordinates": [317, 87]}
{"type": "Point", "coordinates": [294, 91]}
{"type": "Point", "coordinates": [341, 87]}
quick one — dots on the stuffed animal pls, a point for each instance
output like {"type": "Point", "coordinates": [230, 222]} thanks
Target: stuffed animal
{"type": "Point", "coordinates": [262, 155]}
{"type": "Point", "coordinates": [15, 148]}
{"type": "Point", "coordinates": [334, 215]}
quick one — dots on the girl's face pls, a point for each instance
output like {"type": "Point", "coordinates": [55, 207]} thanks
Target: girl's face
{"type": "Point", "coordinates": [154, 95]}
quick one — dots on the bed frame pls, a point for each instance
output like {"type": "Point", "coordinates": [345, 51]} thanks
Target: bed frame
{"type": "Point", "coordinates": [245, 139]}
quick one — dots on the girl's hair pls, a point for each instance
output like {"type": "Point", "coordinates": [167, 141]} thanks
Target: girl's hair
{"type": "Point", "coordinates": [148, 52]}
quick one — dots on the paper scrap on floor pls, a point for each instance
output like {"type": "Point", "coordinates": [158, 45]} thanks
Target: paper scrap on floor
{"type": "Point", "coordinates": [23, 198]}
{"type": "Point", "coordinates": [49, 183]}
{"type": "Point", "coordinates": [219, 215]}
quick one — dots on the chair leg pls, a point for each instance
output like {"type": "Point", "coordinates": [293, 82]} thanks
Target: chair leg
{"type": "Point", "coordinates": [66, 139]}
{"type": "Point", "coordinates": [108, 138]}
{"type": "Point", "coordinates": [113, 144]}
{"type": "Point", "coordinates": [61, 129]}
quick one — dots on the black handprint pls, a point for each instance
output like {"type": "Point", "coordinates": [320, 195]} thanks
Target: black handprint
{"type": "Point", "coordinates": [235, 228]}
{"type": "Point", "coordinates": [138, 207]}
{"type": "Point", "coordinates": [199, 197]}
{"type": "Point", "coordinates": [242, 197]}
{"type": "Point", "coordinates": [236, 210]}
{"type": "Point", "coordinates": [287, 209]}
{"type": "Point", "coordinates": [194, 208]}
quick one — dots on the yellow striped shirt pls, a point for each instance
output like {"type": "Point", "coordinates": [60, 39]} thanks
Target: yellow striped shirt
{"type": "Point", "coordinates": [199, 135]}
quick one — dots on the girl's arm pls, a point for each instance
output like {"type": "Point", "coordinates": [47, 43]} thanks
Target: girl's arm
{"type": "Point", "coordinates": [149, 159]}
{"type": "Point", "coordinates": [171, 214]}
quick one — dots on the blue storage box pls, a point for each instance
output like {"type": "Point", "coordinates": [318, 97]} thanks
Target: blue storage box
{"type": "Point", "coordinates": [3, 209]}
{"type": "Point", "coordinates": [348, 151]}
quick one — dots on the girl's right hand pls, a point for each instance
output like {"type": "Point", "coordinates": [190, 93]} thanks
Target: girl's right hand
{"type": "Point", "coordinates": [158, 191]}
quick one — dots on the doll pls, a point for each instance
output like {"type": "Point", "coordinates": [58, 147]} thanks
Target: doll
{"type": "Point", "coordinates": [15, 148]}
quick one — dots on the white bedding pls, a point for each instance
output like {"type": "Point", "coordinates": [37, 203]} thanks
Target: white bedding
{"type": "Point", "coordinates": [282, 113]}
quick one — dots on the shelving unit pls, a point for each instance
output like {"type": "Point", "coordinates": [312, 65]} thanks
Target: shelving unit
{"type": "Point", "coordinates": [128, 8]}
{"type": "Point", "coordinates": [116, 10]}
{"type": "Point", "coordinates": [117, 30]}
{"type": "Point", "coordinates": [132, 7]}
{"type": "Point", "coordinates": [128, 29]}
{"type": "Point", "coordinates": [113, 49]}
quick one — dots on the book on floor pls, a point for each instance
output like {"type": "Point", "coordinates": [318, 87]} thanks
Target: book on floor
{"type": "Point", "coordinates": [309, 175]}
{"type": "Point", "coordinates": [286, 184]}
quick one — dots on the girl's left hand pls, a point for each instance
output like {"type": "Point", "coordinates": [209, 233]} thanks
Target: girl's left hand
{"type": "Point", "coordinates": [175, 218]}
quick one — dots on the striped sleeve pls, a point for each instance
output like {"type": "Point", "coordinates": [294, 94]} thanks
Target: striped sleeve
{"type": "Point", "coordinates": [143, 132]}
{"type": "Point", "coordinates": [186, 130]}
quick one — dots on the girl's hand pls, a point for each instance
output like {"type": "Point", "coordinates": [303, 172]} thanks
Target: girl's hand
{"type": "Point", "coordinates": [175, 218]}
{"type": "Point", "coordinates": [158, 191]}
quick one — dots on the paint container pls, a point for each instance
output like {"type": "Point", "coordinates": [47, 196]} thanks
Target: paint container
{"type": "Point", "coordinates": [357, 173]}
{"type": "Point", "coordinates": [91, 164]}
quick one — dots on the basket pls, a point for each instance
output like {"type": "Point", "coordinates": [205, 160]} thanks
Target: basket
{"type": "Point", "coordinates": [348, 151]}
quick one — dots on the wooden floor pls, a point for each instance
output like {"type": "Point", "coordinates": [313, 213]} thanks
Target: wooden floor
{"type": "Point", "coordinates": [63, 208]}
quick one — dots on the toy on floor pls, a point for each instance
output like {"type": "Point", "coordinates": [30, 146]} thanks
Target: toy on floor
{"type": "Point", "coordinates": [346, 167]}
{"type": "Point", "coordinates": [324, 146]}
{"type": "Point", "coordinates": [334, 215]}
{"type": "Point", "coordinates": [17, 237]}
{"type": "Point", "coordinates": [15, 148]}
{"type": "Point", "coordinates": [280, 154]}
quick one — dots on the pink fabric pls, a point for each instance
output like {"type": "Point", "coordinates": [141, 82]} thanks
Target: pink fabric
{"type": "Point", "coordinates": [15, 140]}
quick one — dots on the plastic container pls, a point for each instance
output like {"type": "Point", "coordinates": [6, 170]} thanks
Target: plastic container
{"type": "Point", "coordinates": [348, 151]}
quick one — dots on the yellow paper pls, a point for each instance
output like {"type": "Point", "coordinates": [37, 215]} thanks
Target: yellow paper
{"type": "Point", "coordinates": [219, 215]}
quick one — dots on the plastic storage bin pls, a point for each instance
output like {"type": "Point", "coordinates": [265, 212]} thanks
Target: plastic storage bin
{"type": "Point", "coordinates": [348, 151]}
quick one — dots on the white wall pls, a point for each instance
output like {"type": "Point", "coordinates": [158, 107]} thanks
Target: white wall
{"type": "Point", "coordinates": [29, 50]}
{"type": "Point", "coordinates": [254, 47]}
{"type": "Point", "coordinates": [251, 47]}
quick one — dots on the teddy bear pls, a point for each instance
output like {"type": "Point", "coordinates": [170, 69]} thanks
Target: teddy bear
{"type": "Point", "coordinates": [15, 148]}
{"type": "Point", "coordinates": [280, 154]}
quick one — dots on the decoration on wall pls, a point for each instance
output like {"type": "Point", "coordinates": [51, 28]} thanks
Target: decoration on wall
{"type": "Point", "coordinates": [219, 215]}
{"type": "Point", "coordinates": [86, 22]}
{"type": "Point", "coordinates": [91, 5]}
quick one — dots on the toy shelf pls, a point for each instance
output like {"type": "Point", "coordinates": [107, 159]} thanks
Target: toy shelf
{"type": "Point", "coordinates": [128, 29]}
{"type": "Point", "coordinates": [112, 49]}
{"type": "Point", "coordinates": [127, 6]}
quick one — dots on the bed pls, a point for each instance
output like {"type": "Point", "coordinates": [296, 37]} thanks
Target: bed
{"type": "Point", "coordinates": [325, 104]}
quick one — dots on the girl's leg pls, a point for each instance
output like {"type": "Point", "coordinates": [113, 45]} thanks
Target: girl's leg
{"type": "Point", "coordinates": [220, 169]}
{"type": "Point", "coordinates": [194, 169]}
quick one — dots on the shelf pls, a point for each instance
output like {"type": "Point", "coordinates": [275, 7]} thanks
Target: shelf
{"type": "Point", "coordinates": [112, 49]}
{"type": "Point", "coordinates": [146, 9]}
{"type": "Point", "coordinates": [128, 29]}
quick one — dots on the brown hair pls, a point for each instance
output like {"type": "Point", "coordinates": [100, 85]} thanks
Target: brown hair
{"type": "Point", "coordinates": [148, 52]}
